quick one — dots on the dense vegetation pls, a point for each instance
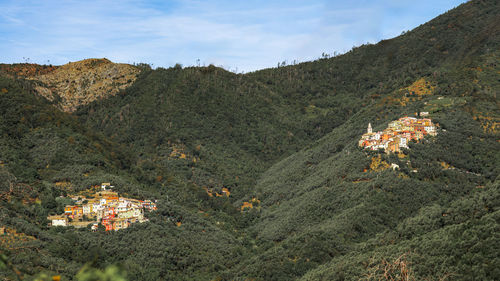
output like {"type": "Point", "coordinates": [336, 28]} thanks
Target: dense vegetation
{"type": "Point", "coordinates": [323, 209]}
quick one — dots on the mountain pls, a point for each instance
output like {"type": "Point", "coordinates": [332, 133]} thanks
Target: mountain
{"type": "Point", "coordinates": [47, 154]}
{"type": "Point", "coordinates": [76, 83]}
{"type": "Point", "coordinates": [305, 203]}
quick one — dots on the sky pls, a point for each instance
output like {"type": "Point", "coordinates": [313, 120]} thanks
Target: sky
{"type": "Point", "coordinates": [240, 36]}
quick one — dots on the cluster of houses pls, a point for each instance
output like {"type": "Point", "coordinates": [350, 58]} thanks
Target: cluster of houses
{"type": "Point", "coordinates": [106, 207]}
{"type": "Point", "coordinates": [397, 135]}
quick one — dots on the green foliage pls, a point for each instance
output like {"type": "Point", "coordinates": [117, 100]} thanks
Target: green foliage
{"type": "Point", "coordinates": [286, 136]}
{"type": "Point", "coordinates": [111, 273]}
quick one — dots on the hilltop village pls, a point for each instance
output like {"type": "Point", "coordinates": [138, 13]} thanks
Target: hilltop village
{"type": "Point", "coordinates": [398, 133]}
{"type": "Point", "coordinates": [105, 207]}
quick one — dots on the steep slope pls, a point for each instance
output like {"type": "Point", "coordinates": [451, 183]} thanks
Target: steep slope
{"type": "Point", "coordinates": [326, 204]}
{"type": "Point", "coordinates": [456, 241]}
{"type": "Point", "coordinates": [244, 123]}
{"type": "Point", "coordinates": [230, 127]}
{"type": "Point", "coordinates": [285, 140]}
{"type": "Point", "coordinates": [76, 83]}
{"type": "Point", "coordinates": [46, 154]}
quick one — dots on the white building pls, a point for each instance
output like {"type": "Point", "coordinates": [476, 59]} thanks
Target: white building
{"type": "Point", "coordinates": [431, 130]}
{"type": "Point", "coordinates": [122, 207]}
{"type": "Point", "coordinates": [132, 213]}
{"type": "Point", "coordinates": [58, 220]}
{"type": "Point", "coordinates": [96, 207]}
{"type": "Point", "coordinates": [403, 142]}
{"type": "Point", "coordinates": [87, 209]}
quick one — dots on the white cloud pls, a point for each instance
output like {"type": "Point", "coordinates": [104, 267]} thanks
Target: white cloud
{"type": "Point", "coordinates": [232, 33]}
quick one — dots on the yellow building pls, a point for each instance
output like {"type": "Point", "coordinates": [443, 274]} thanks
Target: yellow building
{"type": "Point", "coordinates": [73, 210]}
{"type": "Point", "coordinates": [87, 209]}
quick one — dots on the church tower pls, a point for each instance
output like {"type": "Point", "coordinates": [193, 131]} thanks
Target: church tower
{"type": "Point", "coordinates": [369, 131]}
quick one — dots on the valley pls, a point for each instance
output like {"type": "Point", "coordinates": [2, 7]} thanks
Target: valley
{"type": "Point", "coordinates": [361, 166]}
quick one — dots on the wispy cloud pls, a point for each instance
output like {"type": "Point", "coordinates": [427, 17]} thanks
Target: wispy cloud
{"type": "Point", "coordinates": [247, 35]}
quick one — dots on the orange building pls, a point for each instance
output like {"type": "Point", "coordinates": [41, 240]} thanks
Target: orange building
{"type": "Point", "coordinates": [111, 199]}
{"type": "Point", "coordinates": [107, 221]}
{"type": "Point", "coordinates": [73, 211]}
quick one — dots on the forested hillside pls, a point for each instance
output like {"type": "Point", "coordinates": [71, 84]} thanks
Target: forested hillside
{"type": "Point", "coordinates": [284, 142]}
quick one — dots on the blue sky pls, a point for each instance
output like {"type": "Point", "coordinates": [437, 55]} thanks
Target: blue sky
{"type": "Point", "coordinates": [238, 35]}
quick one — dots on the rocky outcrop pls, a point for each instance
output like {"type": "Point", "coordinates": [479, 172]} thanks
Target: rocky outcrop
{"type": "Point", "coordinates": [82, 82]}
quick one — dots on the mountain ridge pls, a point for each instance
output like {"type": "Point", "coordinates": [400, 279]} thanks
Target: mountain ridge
{"type": "Point", "coordinates": [78, 83]}
{"type": "Point", "coordinates": [285, 142]}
